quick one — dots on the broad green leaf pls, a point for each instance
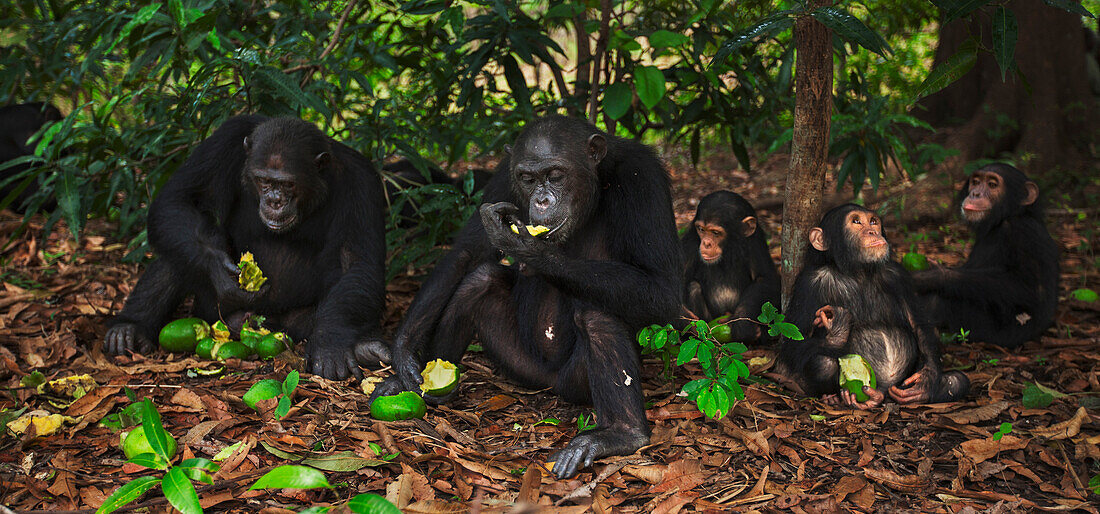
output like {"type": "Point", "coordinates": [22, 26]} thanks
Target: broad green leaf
{"type": "Point", "coordinates": [645, 335]}
{"type": "Point", "coordinates": [1072, 6]}
{"type": "Point", "coordinates": [1035, 397]}
{"type": "Point", "coordinates": [768, 313]}
{"type": "Point", "coordinates": [650, 84]}
{"type": "Point", "coordinates": [1084, 295]}
{"type": "Point", "coordinates": [292, 477]}
{"type": "Point", "coordinates": [342, 461]}
{"type": "Point", "coordinates": [687, 351]}
{"type": "Point", "coordinates": [789, 330]}
{"type": "Point", "coordinates": [200, 463]}
{"type": "Point", "coordinates": [1004, 40]}
{"type": "Point", "coordinates": [516, 81]}
{"type": "Point", "coordinates": [263, 390]}
{"type": "Point", "coordinates": [227, 451]}
{"type": "Point", "coordinates": [616, 100]}
{"type": "Point", "coordinates": [659, 339]}
{"type": "Point", "coordinates": [286, 88]}
{"type": "Point", "coordinates": [950, 70]}
{"type": "Point", "coordinates": [283, 408]}
{"type": "Point", "coordinates": [691, 389]}
{"type": "Point", "coordinates": [367, 503]}
{"type": "Point", "coordinates": [773, 24]}
{"type": "Point", "coordinates": [849, 27]}
{"type": "Point", "coordinates": [129, 492]}
{"type": "Point", "coordinates": [148, 460]}
{"type": "Point", "coordinates": [290, 383]}
{"type": "Point", "coordinates": [180, 492]}
{"type": "Point", "coordinates": [154, 431]}
{"type": "Point", "coordinates": [665, 39]}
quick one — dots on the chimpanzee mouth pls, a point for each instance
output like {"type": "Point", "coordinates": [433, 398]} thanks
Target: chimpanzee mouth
{"type": "Point", "coordinates": [279, 225]}
{"type": "Point", "coordinates": [709, 259]}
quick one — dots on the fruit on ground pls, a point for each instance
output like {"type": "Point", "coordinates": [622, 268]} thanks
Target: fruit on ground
{"type": "Point", "coordinates": [440, 378]}
{"type": "Point", "coordinates": [182, 335]}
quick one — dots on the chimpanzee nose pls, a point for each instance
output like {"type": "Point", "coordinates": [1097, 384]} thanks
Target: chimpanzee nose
{"type": "Point", "coordinates": [542, 202]}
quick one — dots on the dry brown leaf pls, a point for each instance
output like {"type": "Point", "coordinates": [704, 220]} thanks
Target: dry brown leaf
{"type": "Point", "coordinates": [1065, 429]}
{"type": "Point", "coordinates": [436, 507]}
{"type": "Point", "coordinates": [648, 473]}
{"type": "Point", "coordinates": [888, 478]}
{"type": "Point", "coordinates": [979, 450]}
{"type": "Point", "coordinates": [683, 474]}
{"type": "Point", "coordinates": [529, 488]}
{"type": "Point", "coordinates": [189, 399]}
{"type": "Point", "coordinates": [848, 484]}
{"type": "Point", "coordinates": [983, 413]}
{"type": "Point", "coordinates": [421, 488]}
{"type": "Point", "coordinates": [399, 492]}
{"type": "Point", "coordinates": [497, 402]}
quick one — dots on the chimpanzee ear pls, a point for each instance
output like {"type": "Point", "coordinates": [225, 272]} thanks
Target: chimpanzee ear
{"type": "Point", "coordinates": [247, 144]}
{"type": "Point", "coordinates": [817, 239]}
{"type": "Point", "coordinates": [508, 149]}
{"type": "Point", "coordinates": [322, 160]}
{"type": "Point", "coordinates": [597, 148]}
{"type": "Point", "coordinates": [748, 226]}
{"type": "Point", "coordinates": [1032, 193]}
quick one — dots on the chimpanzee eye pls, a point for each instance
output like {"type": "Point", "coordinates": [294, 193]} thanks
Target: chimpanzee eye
{"type": "Point", "coordinates": [527, 178]}
{"type": "Point", "coordinates": [556, 177]}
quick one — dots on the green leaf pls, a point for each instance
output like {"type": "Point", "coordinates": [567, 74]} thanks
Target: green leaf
{"type": "Point", "coordinates": [284, 87]}
{"type": "Point", "coordinates": [659, 339]}
{"type": "Point", "coordinates": [768, 313]}
{"type": "Point", "coordinates": [148, 460]}
{"type": "Point", "coordinates": [850, 28]}
{"type": "Point", "coordinates": [283, 408]}
{"type": "Point", "coordinates": [788, 330]}
{"type": "Point", "coordinates": [342, 462]}
{"type": "Point", "coordinates": [1070, 6]}
{"type": "Point", "coordinates": [154, 431]}
{"type": "Point", "coordinates": [1094, 484]}
{"type": "Point", "coordinates": [516, 81]}
{"type": "Point", "coordinates": [645, 335]}
{"type": "Point", "coordinates": [227, 451]}
{"type": "Point", "coordinates": [687, 351]}
{"type": "Point", "coordinates": [1004, 40]}
{"type": "Point", "coordinates": [68, 198]}
{"type": "Point", "coordinates": [180, 492]}
{"type": "Point", "coordinates": [665, 39]}
{"type": "Point", "coordinates": [292, 477]}
{"type": "Point", "coordinates": [650, 83]}
{"type": "Point", "coordinates": [1084, 295]}
{"type": "Point", "coordinates": [772, 24]}
{"type": "Point", "coordinates": [616, 100]}
{"type": "Point", "coordinates": [1036, 398]}
{"type": "Point", "coordinates": [955, 9]}
{"type": "Point", "coordinates": [290, 383]}
{"type": "Point", "coordinates": [263, 390]}
{"type": "Point", "coordinates": [367, 503]}
{"type": "Point", "coordinates": [692, 389]}
{"type": "Point", "coordinates": [129, 492]}
{"type": "Point", "coordinates": [950, 70]}
{"type": "Point", "coordinates": [200, 463]}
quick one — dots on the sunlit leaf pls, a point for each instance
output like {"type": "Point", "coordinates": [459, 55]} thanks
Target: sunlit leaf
{"type": "Point", "coordinates": [367, 503]}
{"type": "Point", "coordinates": [180, 492]}
{"type": "Point", "coordinates": [292, 477]}
{"type": "Point", "coordinates": [773, 24]}
{"type": "Point", "coordinates": [650, 84]}
{"type": "Point", "coordinates": [849, 27]}
{"type": "Point", "coordinates": [129, 492]}
{"type": "Point", "coordinates": [1004, 39]}
{"type": "Point", "coordinates": [1072, 6]}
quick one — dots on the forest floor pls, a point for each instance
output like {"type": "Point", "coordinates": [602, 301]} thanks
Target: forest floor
{"type": "Point", "coordinates": [486, 451]}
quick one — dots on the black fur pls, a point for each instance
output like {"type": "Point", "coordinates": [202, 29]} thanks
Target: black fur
{"type": "Point", "coordinates": [18, 123]}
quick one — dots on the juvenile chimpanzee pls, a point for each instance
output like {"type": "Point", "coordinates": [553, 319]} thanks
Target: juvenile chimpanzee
{"type": "Point", "coordinates": [851, 297]}
{"type": "Point", "coordinates": [307, 207]}
{"type": "Point", "coordinates": [728, 269]}
{"type": "Point", "coordinates": [565, 316]}
{"type": "Point", "coordinates": [1007, 291]}
{"type": "Point", "coordinates": [17, 124]}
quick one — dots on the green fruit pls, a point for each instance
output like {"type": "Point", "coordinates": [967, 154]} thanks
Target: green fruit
{"type": "Point", "coordinates": [1085, 295]}
{"type": "Point", "coordinates": [233, 350]}
{"type": "Point", "coordinates": [182, 335]}
{"type": "Point", "coordinates": [403, 405]}
{"type": "Point", "coordinates": [440, 377]}
{"type": "Point", "coordinates": [134, 443]}
{"type": "Point", "coordinates": [915, 262]}
{"type": "Point", "coordinates": [722, 333]}
{"type": "Point", "coordinates": [205, 348]}
{"type": "Point", "coordinates": [856, 372]}
{"type": "Point", "coordinates": [262, 390]}
{"type": "Point", "coordinates": [271, 345]}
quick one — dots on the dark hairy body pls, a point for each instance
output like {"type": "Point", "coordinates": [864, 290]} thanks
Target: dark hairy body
{"type": "Point", "coordinates": [19, 122]}
{"type": "Point", "coordinates": [851, 297]}
{"type": "Point", "coordinates": [565, 315]}
{"type": "Point", "coordinates": [728, 269]}
{"type": "Point", "coordinates": [1006, 292]}
{"type": "Point", "coordinates": [310, 211]}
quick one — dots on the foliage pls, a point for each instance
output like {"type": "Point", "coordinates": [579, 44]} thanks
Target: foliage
{"type": "Point", "coordinates": [1003, 430]}
{"type": "Point", "coordinates": [1037, 396]}
{"type": "Point", "coordinates": [268, 389]}
{"type": "Point", "coordinates": [721, 362]}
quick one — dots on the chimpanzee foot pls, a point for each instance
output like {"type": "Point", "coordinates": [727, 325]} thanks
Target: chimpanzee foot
{"type": "Point", "coordinates": [126, 338]}
{"type": "Point", "coordinates": [584, 449]}
{"type": "Point", "coordinates": [373, 353]}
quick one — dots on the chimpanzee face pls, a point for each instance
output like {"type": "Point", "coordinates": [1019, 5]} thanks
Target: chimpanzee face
{"type": "Point", "coordinates": [285, 187]}
{"type": "Point", "coordinates": [711, 237]}
{"type": "Point", "coordinates": [985, 189]}
{"type": "Point", "coordinates": [864, 234]}
{"type": "Point", "coordinates": [558, 184]}
{"type": "Point", "coordinates": [852, 235]}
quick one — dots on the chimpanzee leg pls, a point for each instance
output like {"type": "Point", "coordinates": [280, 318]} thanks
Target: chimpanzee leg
{"type": "Point", "coordinates": [694, 301]}
{"type": "Point", "coordinates": [157, 294]}
{"type": "Point", "coordinates": [955, 314]}
{"type": "Point", "coordinates": [816, 373]}
{"type": "Point", "coordinates": [607, 351]}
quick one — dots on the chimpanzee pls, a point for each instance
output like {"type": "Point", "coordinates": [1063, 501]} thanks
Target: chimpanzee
{"type": "Point", "coordinates": [728, 269]}
{"type": "Point", "coordinates": [851, 297]}
{"type": "Point", "coordinates": [1007, 291]}
{"type": "Point", "coordinates": [310, 211]}
{"type": "Point", "coordinates": [18, 123]}
{"type": "Point", "coordinates": [565, 315]}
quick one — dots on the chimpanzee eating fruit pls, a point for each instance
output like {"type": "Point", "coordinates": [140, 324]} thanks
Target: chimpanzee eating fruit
{"type": "Point", "coordinates": [311, 212]}
{"type": "Point", "coordinates": [852, 298]}
{"type": "Point", "coordinates": [1007, 291]}
{"type": "Point", "coordinates": [728, 269]}
{"type": "Point", "coordinates": [565, 315]}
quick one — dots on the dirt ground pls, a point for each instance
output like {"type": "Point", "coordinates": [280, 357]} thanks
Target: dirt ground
{"type": "Point", "coordinates": [775, 451]}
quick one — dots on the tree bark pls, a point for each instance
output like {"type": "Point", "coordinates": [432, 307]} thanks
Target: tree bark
{"type": "Point", "coordinates": [809, 143]}
{"type": "Point", "coordinates": [1045, 116]}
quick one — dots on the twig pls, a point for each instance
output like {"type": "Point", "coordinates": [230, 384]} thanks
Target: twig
{"type": "Point", "coordinates": [332, 42]}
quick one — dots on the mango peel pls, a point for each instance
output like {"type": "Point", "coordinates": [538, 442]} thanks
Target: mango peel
{"type": "Point", "coordinates": [251, 278]}
{"type": "Point", "coordinates": [535, 231]}
{"type": "Point", "coordinates": [856, 372]}
{"type": "Point", "coordinates": [440, 378]}
{"type": "Point", "coordinates": [404, 405]}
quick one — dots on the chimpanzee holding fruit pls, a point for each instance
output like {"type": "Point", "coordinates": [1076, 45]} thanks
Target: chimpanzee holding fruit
{"type": "Point", "coordinates": [852, 298]}
{"type": "Point", "coordinates": [728, 269]}
{"type": "Point", "coordinates": [1007, 291]}
{"type": "Point", "coordinates": [310, 210]}
{"type": "Point", "coordinates": [565, 315]}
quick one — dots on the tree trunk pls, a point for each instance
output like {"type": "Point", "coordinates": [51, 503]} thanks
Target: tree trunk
{"type": "Point", "coordinates": [1045, 116]}
{"type": "Point", "coordinates": [809, 143]}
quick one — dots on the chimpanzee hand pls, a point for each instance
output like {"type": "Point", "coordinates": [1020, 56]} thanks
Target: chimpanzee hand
{"type": "Point", "coordinates": [405, 377]}
{"type": "Point", "coordinates": [589, 446]}
{"type": "Point", "coordinates": [836, 321]}
{"type": "Point", "coordinates": [918, 388]}
{"type": "Point", "coordinates": [498, 219]}
{"type": "Point", "coordinates": [126, 337]}
{"type": "Point", "coordinates": [332, 355]}
{"type": "Point", "coordinates": [846, 398]}
{"type": "Point", "coordinates": [224, 277]}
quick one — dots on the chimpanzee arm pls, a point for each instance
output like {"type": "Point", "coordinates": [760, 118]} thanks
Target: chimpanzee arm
{"type": "Point", "coordinates": [812, 362]}
{"type": "Point", "coordinates": [185, 219]}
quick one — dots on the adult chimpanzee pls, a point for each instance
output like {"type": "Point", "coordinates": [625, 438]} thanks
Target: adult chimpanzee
{"type": "Point", "coordinates": [851, 297]}
{"type": "Point", "coordinates": [1007, 290]}
{"type": "Point", "coordinates": [565, 316]}
{"type": "Point", "coordinates": [307, 207]}
{"type": "Point", "coordinates": [18, 123]}
{"type": "Point", "coordinates": [728, 269]}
